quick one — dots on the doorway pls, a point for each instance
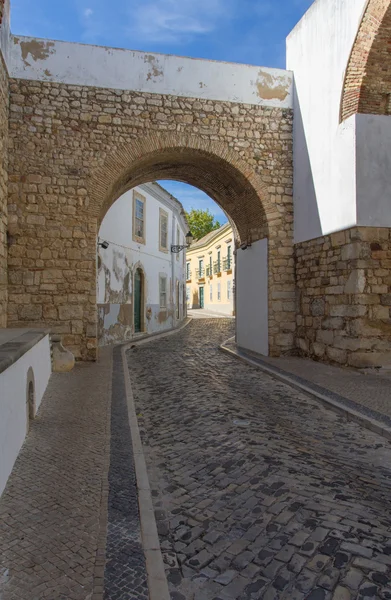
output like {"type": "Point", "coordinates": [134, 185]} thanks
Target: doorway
{"type": "Point", "coordinates": [138, 300]}
{"type": "Point", "coordinates": [202, 301]}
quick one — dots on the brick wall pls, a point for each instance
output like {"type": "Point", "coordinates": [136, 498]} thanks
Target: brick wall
{"type": "Point", "coordinates": [367, 86]}
{"type": "Point", "coordinates": [3, 190]}
{"type": "Point", "coordinates": [344, 299]}
{"type": "Point", "coordinates": [76, 149]}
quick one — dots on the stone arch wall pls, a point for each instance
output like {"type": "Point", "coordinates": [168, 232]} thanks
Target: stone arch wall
{"type": "Point", "coordinates": [367, 87]}
{"type": "Point", "coordinates": [76, 149]}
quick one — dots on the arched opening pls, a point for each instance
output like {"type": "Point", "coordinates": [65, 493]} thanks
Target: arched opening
{"type": "Point", "coordinates": [30, 398]}
{"type": "Point", "coordinates": [260, 215]}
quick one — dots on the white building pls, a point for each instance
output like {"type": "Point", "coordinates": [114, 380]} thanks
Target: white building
{"type": "Point", "coordinates": [141, 283]}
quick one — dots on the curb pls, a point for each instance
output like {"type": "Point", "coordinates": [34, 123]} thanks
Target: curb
{"type": "Point", "coordinates": [338, 404]}
{"type": "Point", "coordinates": [156, 575]}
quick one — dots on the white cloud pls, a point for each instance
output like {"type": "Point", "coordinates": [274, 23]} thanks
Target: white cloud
{"type": "Point", "coordinates": [175, 21]}
{"type": "Point", "coordinates": [88, 12]}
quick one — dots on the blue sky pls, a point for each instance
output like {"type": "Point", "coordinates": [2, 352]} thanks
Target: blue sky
{"type": "Point", "coordinates": [246, 31]}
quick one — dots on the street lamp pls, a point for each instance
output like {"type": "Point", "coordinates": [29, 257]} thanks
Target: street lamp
{"type": "Point", "coordinates": [177, 249]}
{"type": "Point", "coordinates": [103, 245]}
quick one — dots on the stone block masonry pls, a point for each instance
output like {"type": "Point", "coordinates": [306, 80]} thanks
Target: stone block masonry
{"type": "Point", "coordinates": [344, 298]}
{"type": "Point", "coordinates": [76, 149]}
{"type": "Point", "coordinates": [3, 188]}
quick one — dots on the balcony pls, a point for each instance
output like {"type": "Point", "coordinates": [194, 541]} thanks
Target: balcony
{"type": "Point", "coordinates": [200, 273]}
{"type": "Point", "coordinates": [227, 263]}
{"type": "Point", "coordinates": [217, 267]}
{"type": "Point", "coordinates": [209, 271]}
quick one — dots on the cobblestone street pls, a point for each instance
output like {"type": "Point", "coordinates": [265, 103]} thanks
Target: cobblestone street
{"type": "Point", "coordinates": [259, 491]}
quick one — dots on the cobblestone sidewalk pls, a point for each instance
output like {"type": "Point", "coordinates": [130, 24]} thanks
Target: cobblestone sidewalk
{"type": "Point", "coordinates": [50, 542]}
{"type": "Point", "coordinates": [259, 491]}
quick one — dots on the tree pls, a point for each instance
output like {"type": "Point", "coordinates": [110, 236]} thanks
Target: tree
{"type": "Point", "coordinates": [201, 222]}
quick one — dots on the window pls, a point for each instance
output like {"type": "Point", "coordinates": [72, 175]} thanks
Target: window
{"type": "Point", "coordinates": [188, 271]}
{"type": "Point", "coordinates": [229, 257]}
{"type": "Point", "coordinates": [211, 293]}
{"type": "Point", "coordinates": [200, 271]}
{"type": "Point", "coordinates": [138, 218]}
{"type": "Point", "coordinates": [188, 294]}
{"type": "Point", "coordinates": [163, 230]}
{"type": "Point", "coordinates": [219, 292]}
{"type": "Point", "coordinates": [163, 291]}
{"type": "Point", "coordinates": [229, 290]}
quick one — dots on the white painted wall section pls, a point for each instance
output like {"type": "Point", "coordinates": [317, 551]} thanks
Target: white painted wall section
{"type": "Point", "coordinates": [373, 170]}
{"type": "Point", "coordinates": [79, 64]}
{"type": "Point", "coordinates": [252, 329]}
{"type": "Point", "coordinates": [13, 402]}
{"type": "Point", "coordinates": [318, 50]}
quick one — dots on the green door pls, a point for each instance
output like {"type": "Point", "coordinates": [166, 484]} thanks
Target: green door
{"type": "Point", "coordinates": [201, 297]}
{"type": "Point", "coordinates": [137, 301]}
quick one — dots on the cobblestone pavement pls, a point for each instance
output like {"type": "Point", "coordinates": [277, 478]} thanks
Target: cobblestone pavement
{"type": "Point", "coordinates": [259, 491]}
{"type": "Point", "coordinates": [51, 546]}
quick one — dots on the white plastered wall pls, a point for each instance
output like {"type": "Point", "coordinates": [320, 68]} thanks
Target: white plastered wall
{"type": "Point", "coordinates": [13, 402]}
{"type": "Point", "coordinates": [252, 327]}
{"type": "Point", "coordinates": [80, 64]}
{"type": "Point", "coordinates": [318, 50]}
{"type": "Point", "coordinates": [373, 153]}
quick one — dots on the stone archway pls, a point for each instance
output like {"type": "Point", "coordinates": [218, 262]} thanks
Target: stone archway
{"type": "Point", "coordinates": [367, 87]}
{"type": "Point", "coordinates": [91, 145]}
{"type": "Point", "coordinates": [218, 170]}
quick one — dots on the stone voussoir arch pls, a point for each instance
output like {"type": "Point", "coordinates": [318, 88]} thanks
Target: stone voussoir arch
{"type": "Point", "coordinates": [367, 85]}
{"type": "Point", "coordinates": [212, 166]}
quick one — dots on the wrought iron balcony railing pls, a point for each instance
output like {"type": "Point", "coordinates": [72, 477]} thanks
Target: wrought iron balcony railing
{"type": "Point", "coordinates": [209, 271]}
{"type": "Point", "coordinates": [200, 273]}
{"type": "Point", "coordinates": [227, 263]}
{"type": "Point", "coordinates": [217, 267]}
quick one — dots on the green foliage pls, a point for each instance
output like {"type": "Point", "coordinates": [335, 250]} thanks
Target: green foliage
{"type": "Point", "coordinates": [201, 222]}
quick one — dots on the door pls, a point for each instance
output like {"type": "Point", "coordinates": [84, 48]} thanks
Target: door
{"type": "Point", "coordinates": [201, 297]}
{"type": "Point", "coordinates": [137, 295]}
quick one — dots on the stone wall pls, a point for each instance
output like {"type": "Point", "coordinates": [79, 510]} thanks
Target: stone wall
{"type": "Point", "coordinates": [3, 190]}
{"type": "Point", "coordinates": [344, 297]}
{"type": "Point", "coordinates": [76, 149]}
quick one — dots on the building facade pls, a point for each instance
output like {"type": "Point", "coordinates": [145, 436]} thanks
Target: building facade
{"type": "Point", "coordinates": [141, 283]}
{"type": "Point", "coordinates": [210, 272]}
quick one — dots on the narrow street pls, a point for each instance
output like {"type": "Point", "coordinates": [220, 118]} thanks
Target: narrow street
{"type": "Point", "coordinates": [259, 491]}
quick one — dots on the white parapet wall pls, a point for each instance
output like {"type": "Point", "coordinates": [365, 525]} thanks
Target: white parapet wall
{"type": "Point", "coordinates": [318, 51]}
{"type": "Point", "coordinates": [88, 65]}
{"type": "Point", "coordinates": [25, 379]}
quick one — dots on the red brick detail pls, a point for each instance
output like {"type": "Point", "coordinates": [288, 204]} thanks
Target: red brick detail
{"type": "Point", "coordinates": [367, 87]}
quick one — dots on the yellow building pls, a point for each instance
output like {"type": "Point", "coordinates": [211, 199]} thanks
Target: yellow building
{"type": "Point", "coordinates": [210, 271]}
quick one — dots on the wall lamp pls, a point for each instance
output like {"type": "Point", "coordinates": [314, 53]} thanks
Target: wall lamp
{"type": "Point", "coordinates": [103, 245]}
{"type": "Point", "coordinates": [177, 249]}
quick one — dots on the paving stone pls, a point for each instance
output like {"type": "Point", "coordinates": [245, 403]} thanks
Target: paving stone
{"type": "Point", "coordinates": [352, 579]}
{"type": "Point", "coordinates": [235, 588]}
{"type": "Point", "coordinates": [341, 593]}
{"type": "Point", "coordinates": [329, 578]}
{"type": "Point", "coordinates": [368, 591]}
{"type": "Point", "coordinates": [357, 550]}
{"type": "Point", "coordinates": [226, 577]}
{"type": "Point", "coordinates": [369, 565]}
{"type": "Point", "coordinates": [318, 562]}
{"type": "Point", "coordinates": [200, 560]}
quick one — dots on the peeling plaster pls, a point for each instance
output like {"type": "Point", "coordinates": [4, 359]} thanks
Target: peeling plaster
{"type": "Point", "coordinates": [272, 88]}
{"type": "Point", "coordinates": [38, 49]}
{"type": "Point", "coordinates": [156, 69]}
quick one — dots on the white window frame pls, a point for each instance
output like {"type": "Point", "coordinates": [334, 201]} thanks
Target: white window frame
{"type": "Point", "coordinates": [210, 293]}
{"type": "Point", "coordinates": [219, 292]}
{"type": "Point", "coordinates": [137, 197]}
{"type": "Point", "coordinates": [188, 270]}
{"type": "Point", "coordinates": [163, 216]}
{"type": "Point", "coordinates": [229, 289]}
{"type": "Point", "coordinates": [163, 291]}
